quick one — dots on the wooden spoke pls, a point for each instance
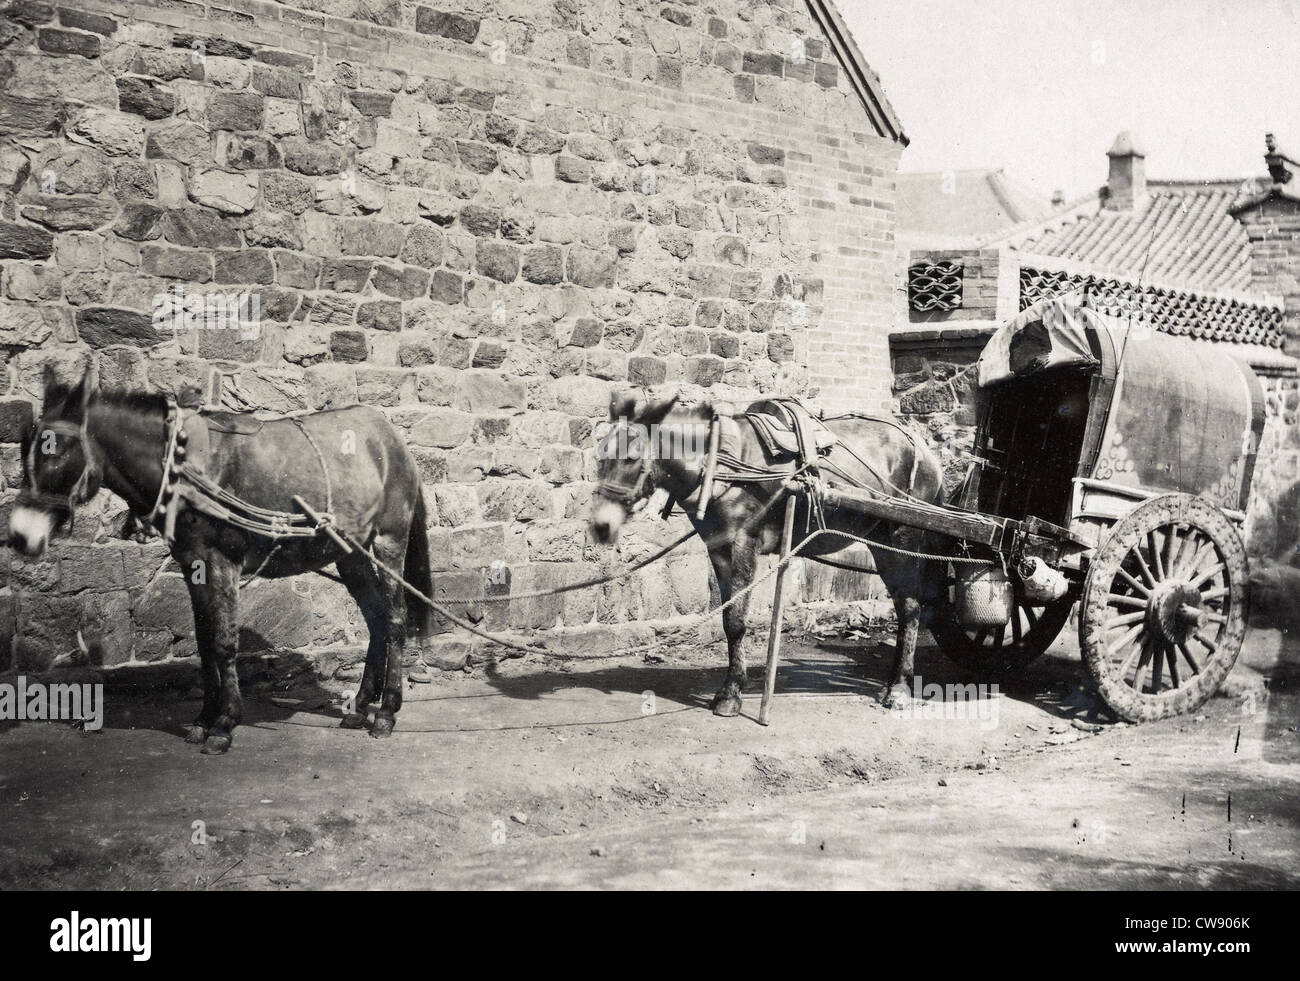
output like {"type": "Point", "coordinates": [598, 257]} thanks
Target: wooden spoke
{"type": "Point", "coordinates": [1209, 645]}
{"type": "Point", "coordinates": [1196, 667]}
{"type": "Point", "coordinates": [1141, 589]}
{"type": "Point", "coordinates": [999, 635]}
{"type": "Point", "coordinates": [1143, 660]}
{"type": "Point", "coordinates": [1127, 639]}
{"type": "Point", "coordinates": [1125, 619]}
{"type": "Point", "coordinates": [1173, 545]}
{"type": "Point", "coordinates": [1117, 599]}
{"type": "Point", "coordinates": [1015, 625]}
{"type": "Point", "coordinates": [1032, 617]}
{"type": "Point", "coordinates": [1185, 568]}
{"type": "Point", "coordinates": [1216, 617]}
{"type": "Point", "coordinates": [1208, 574]}
{"type": "Point", "coordinates": [1172, 660]}
{"type": "Point", "coordinates": [1157, 561]}
{"type": "Point", "coordinates": [1128, 660]}
{"type": "Point", "coordinates": [1157, 665]}
{"type": "Point", "coordinates": [981, 636]}
{"type": "Point", "coordinates": [1211, 595]}
{"type": "Point", "coordinates": [1142, 566]}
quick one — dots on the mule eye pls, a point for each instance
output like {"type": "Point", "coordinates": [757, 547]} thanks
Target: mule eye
{"type": "Point", "coordinates": [607, 446]}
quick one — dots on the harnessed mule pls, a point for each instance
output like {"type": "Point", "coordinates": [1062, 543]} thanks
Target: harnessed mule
{"type": "Point", "coordinates": [239, 506]}
{"type": "Point", "coordinates": [733, 509]}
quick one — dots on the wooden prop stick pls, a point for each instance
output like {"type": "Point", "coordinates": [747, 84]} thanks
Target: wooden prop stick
{"type": "Point", "coordinates": [710, 467]}
{"type": "Point", "coordinates": [778, 597]}
{"type": "Point", "coordinates": [321, 524]}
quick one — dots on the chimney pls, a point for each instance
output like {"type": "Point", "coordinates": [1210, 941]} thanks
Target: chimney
{"type": "Point", "coordinates": [1127, 184]}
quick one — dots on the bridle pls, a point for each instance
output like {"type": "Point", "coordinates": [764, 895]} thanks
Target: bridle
{"type": "Point", "coordinates": [64, 506]}
{"type": "Point", "coordinates": [628, 493]}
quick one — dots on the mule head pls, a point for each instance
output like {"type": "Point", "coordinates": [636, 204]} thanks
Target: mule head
{"type": "Point", "coordinates": [60, 471]}
{"type": "Point", "coordinates": [629, 458]}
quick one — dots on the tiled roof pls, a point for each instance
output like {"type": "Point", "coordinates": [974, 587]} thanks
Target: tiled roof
{"type": "Point", "coordinates": [1182, 232]}
{"type": "Point", "coordinates": [963, 203]}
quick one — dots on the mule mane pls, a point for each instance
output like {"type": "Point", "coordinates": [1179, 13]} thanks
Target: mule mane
{"type": "Point", "coordinates": [147, 402]}
{"type": "Point", "coordinates": [680, 412]}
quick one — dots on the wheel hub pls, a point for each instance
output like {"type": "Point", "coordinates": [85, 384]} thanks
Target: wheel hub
{"type": "Point", "coordinates": [1174, 611]}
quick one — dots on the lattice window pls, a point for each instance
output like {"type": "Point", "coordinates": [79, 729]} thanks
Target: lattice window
{"type": "Point", "coordinates": [934, 286]}
{"type": "Point", "coordinates": [1182, 312]}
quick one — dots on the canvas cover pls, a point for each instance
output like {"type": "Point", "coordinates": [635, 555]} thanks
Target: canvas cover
{"type": "Point", "coordinates": [1183, 414]}
{"type": "Point", "coordinates": [1053, 333]}
{"type": "Point", "coordinates": [1184, 418]}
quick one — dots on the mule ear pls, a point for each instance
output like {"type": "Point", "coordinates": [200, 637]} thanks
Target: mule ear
{"type": "Point", "coordinates": [90, 381]}
{"type": "Point", "coordinates": [622, 407]}
{"type": "Point", "coordinates": [656, 411]}
{"type": "Point", "coordinates": [85, 389]}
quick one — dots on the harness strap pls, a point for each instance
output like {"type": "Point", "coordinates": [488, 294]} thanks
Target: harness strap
{"type": "Point", "coordinates": [185, 484]}
{"type": "Point", "coordinates": [60, 504]}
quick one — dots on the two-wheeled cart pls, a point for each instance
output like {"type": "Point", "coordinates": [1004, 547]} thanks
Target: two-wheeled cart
{"type": "Point", "coordinates": [1111, 468]}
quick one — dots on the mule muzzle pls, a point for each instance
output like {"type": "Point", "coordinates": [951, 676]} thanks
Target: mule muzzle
{"type": "Point", "coordinates": [30, 530]}
{"type": "Point", "coordinates": [606, 521]}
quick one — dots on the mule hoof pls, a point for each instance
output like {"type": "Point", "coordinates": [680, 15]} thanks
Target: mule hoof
{"type": "Point", "coordinates": [215, 745]}
{"type": "Point", "coordinates": [383, 726]}
{"type": "Point", "coordinates": [196, 733]}
{"type": "Point", "coordinates": [896, 696]}
{"type": "Point", "coordinates": [353, 720]}
{"type": "Point", "coordinates": [727, 706]}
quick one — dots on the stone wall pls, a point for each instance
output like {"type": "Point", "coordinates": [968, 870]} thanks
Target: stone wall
{"type": "Point", "coordinates": [1273, 524]}
{"type": "Point", "coordinates": [481, 220]}
{"type": "Point", "coordinates": [935, 388]}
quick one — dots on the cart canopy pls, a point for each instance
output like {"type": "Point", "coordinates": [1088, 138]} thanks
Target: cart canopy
{"type": "Point", "coordinates": [1053, 333]}
{"type": "Point", "coordinates": [1166, 413]}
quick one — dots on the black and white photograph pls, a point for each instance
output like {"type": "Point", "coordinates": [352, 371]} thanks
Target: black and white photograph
{"type": "Point", "coordinates": [632, 446]}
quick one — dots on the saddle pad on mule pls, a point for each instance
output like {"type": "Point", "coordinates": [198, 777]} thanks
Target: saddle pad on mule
{"type": "Point", "coordinates": [787, 429]}
{"type": "Point", "coordinates": [236, 423]}
{"type": "Point", "coordinates": [199, 427]}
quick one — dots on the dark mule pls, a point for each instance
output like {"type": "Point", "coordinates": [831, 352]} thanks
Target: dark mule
{"type": "Point", "coordinates": [740, 524]}
{"type": "Point", "coordinates": [86, 439]}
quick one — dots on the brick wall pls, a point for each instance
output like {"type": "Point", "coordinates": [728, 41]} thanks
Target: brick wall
{"type": "Point", "coordinates": [1273, 227]}
{"type": "Point", "coordinates": [481, 220]}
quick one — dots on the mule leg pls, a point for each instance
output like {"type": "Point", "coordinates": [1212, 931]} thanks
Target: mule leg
{"type": "Point", "coordinates": [197, 731]}
{"type": "Point", "coordinates": [390, 701]}
{"type": "Point", "coordinates": [733, 564]}
{"type": "Point", "coordinates": [908, 609]}
{"type": "Point", "coordinates": [216, 628]}
{"type": "Point", "coordinates": [362, 584]}
{"type": "Point", "coordinates": [904, 578]}
{"type": "Point", "coordinates": [210, 675]}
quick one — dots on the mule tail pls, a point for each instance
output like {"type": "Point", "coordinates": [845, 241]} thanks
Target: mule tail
{"type": "Point", "coordinates": [419, 615]}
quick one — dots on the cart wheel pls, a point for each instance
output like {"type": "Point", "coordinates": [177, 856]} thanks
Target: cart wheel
{"type": "Point", "coordinates": [1163, 613]}
{"type": "Point", "coordinates": [996, 652]}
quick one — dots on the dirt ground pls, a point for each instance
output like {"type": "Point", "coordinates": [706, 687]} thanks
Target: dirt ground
{"type": "Point", "coordinates": [614, 774]}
